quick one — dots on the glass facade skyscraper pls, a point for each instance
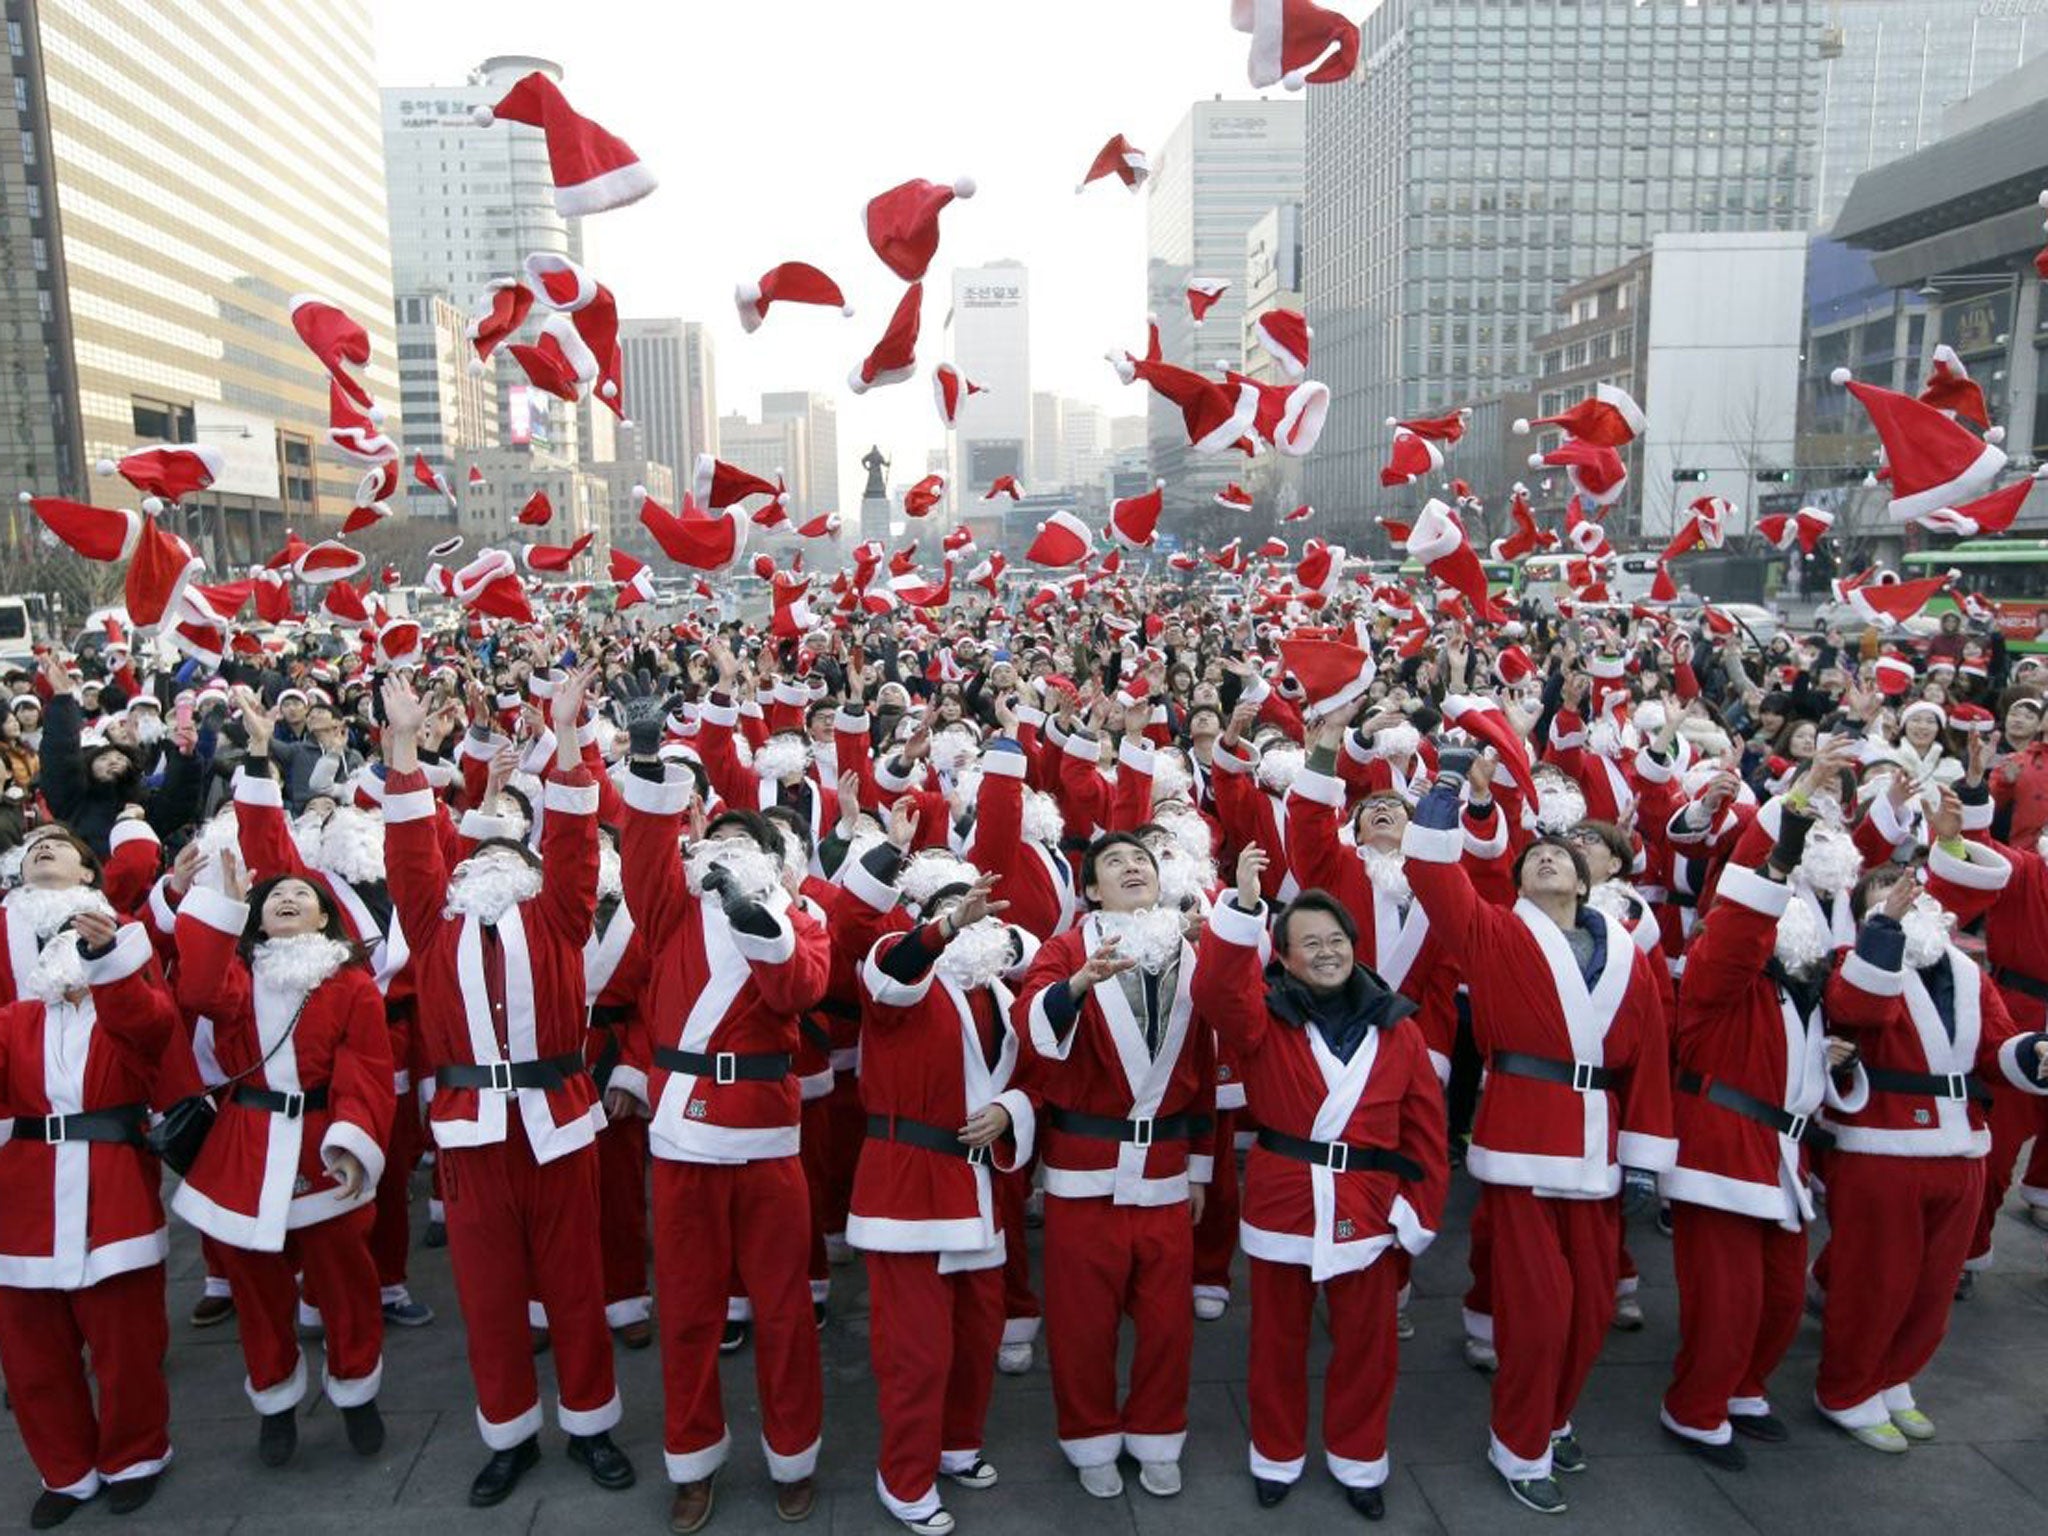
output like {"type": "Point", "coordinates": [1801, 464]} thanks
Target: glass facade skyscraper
{"type": "Point", "coordinates": [1488, 155]}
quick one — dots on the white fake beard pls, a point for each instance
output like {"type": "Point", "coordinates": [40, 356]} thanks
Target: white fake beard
{"type": "Point", "coordinates": [46, 911]}
{"type": "Point", "coordinates": [1605, 739]}
{"type": "Point", "coordinates": [1278, 768]}
{"type": "Point", "coordinates": [864, 841]}
{"type": "Point", "coordinates": [1927, 926]}
{"type": "Point", "coordinates": [488, 890]}
{"type": "Point", "coordinates": [966, 789]}
{"type": "Point", "coordinates": [1830, 863]}
{"type": "Point", "coordinates": [932, 871]}
{"type": "Point", "coordinates": [1151, 937]}
{"type": "Point", "coordinates": [298, 964]}
{"type": "Point", "coordinates": [59, 971]}
{"type": "Point", "coordinates": [1397, 743]}
{"type": "Point", "coordinates": [796, 863]}
{"type": "Point", "coordinates": [307, 835]}
{"type": "Point", "coordinates": [221, 834]}
{"type": "Point", "coordinates": [611, 884]}
{"type": "Point", "coordinates": [1170, 777]}
{"type": "Point", "coordinates": [1183, 878]}
{"type": "Point", "coordinates": [352, 846]}
{"type": "Point", "coordinates": [978, 954]}
{"type": "Point", "coordinates": [1387, 872]}
{"type": "Point", "coordinates": [1560, 805]}
{"type": "Point", "coordinates": [149, 729]}
{"type": "Point", "coordinates": [1827, 810]}
{"type": "Point", "coordinates": [754, 872]}
{"type": "Point", "coordinates": [1190, 834]}
{"type": "Point", "coordinates": [953, 749]}
{"type": "Point", "coordinates": [1610, 898]}
{"type": "Point", "coordinates": [1043, 822]}
{"type": "Point", "coordinates": [1802, 944]}
{"type": "Point", "coordinates": [782, 757]}
{"type": "Point", "coordinates": [10, 866]}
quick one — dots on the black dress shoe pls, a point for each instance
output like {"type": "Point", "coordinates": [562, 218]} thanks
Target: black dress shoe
{"type": "Point", "coordinates": [437, 1234]}
{"type": "Point", "coordinates": [365, 1426]}
{"type": "Point", "coordinates": [1767, 1428]}
{"type": "Point", "coordinates": [735, 1336]}
{"type": "Point", "coordinates": [1727, 1458]}
{"type": "Point", "coordinates": [278, 1438]}
{"type": "Point", "coordinates": [1369, 1502]}
{"type": "Point", "coordinates": [502, 1472]}
{"type": "Point", "coordinates": [604, 1461]}
{"type": "Point", "coordinates": [53, 1509]}
{"type": "Point", "coordinates": [1270, 1492]}
{"type": "Point", "coordinates": [131, 1493]}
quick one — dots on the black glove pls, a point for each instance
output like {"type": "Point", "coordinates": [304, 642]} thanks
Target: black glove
{"type": "Point", "coordinates": [1791, 845]}
{"type": "Point", "coordinates": [1454, 764]}
{"type": "Point", "coordinates": [644, 711]}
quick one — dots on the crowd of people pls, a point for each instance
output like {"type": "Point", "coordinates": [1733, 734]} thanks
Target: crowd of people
{"type": "Point", "coordinates": [1176, 930]}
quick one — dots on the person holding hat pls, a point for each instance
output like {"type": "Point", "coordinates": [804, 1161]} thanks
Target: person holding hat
{"type": "Point", "coordinates": [2019, 774]}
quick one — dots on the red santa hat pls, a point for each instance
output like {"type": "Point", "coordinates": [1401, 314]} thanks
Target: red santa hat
{"type": "Point", "coordinates": [398, 643]}
{"type": "Point", "coordinates": [1134, 520]}
{"type": "Point", "coordinates": [793, 282]}
{"type": "Point", "coordinates": [922, 497]}
{"type": "Point", "coordinates": [204, 643]}
{"type": "Point", "coordinates": [329, 560]}
{"type": "Point", "coordinates": [1121, 159]}
{"type": "Point", "coordinates": [1331, 673]}
{"type": "Point", "coordinates": [1004, 485]}
{"type": "Point", "coordinates": [1213, 417]}
{"type": "Point", "coordinates": [701, 540]}
{"type": "Point", "coordinates": [357, 433]}
{"type": "Point", "coordinates": [476, 477]}
{"type": "Point", "coordinates": [1204, 295]}
{"type": "Point", "coordinates": [593, 170]}
{"type": "Point", "coordinates": [425, 474]}
{"type": "Point", "coordinates": [1288, 416]}
{"type": "Point", "coordinates": [364, 515]}
{"type": "Point", "coordinates": [894, 357]}
{"type": "Point", "coordinates": [1320, 571]}
{"type": "Point", "coordinates": [951, 389]}
{"type": "Point", "coordinates": [1482, 720]}
{"type": "Point", "coordinates": [1594, 469]}
{"type": "Point", "coordinates": [957, 538]}
{"type": "Point", "coordinates": [1585, 533]}
{"type": "Point", "coordinates": [1897, 600]}
{"type": "Point", "coordinates": [538, 511]}
{"type": "Point", "coordinates": [1971, 719]}
{"type": "Point", "coordinates": [1894, 674]}
{"type": "Point", "coordinates": [553, 557]}
{"type": "Point", "coordinates": [489, 586]}
{"type": "Point", "coordinates": [1438, 543]}
{"type": "Point", "coordinates": [1609, 417]}
{"type": "Point", "coordinates": [168, 473]}
{"type": "Point", "coordinates": [337, 341]}
{"type": "Point", "coordinates": [1296, 43]}
{"type": "Point", "coordinates": [216, 604]}
{"type": "Point", "coordinates": [903, 224]}
{"type": "Point", "coordinates": [1513, 665]}
{"type": "Point", "coordinates": [1987, 514]}
{"type": "Point", "coordinates": [1446, 429]}
{"type": "Point", "coordinates": [389, 576]}
{"type": "Point", "coordinates": [547, 363]}
{"type": "Point", "coordinates": [824, 526]}
{"type": "Point", "coordinates": [1663, 589]}
{"type": "Point", "coordinates": [1234, 498]}
{"type": "Point", "coordinates": [718, 485]}
{"type": "Point", "coordinates": [1705, 527]}
{"type": "Point", "coordinates": [635, 581]}
{"type": "Point", "coordinates": [1411, 457]}
{"type": "Point", "coordinates": [1285, 335]}
{"type": "Point", "coordinates": [1933, 462]}
{"type": "Point", "coordinates": [105, 535]}
{"type": "Point", "coordinates": [496, 317]}
{"type": "Point", "coordinates": [1300, 514]}
{"type": "Point", "coordinates": [1808, 525]}
{"type": "Point", "coordinates": [1951, 390]}
{"type": "Point", "coordinates": [988, 573]}
{"type": "Point", "coordinates": [343, 604]}
{"type": "Point", "coordinates": [1062, 540]}
{"type": "Point", "coordinates": [1274, 548]}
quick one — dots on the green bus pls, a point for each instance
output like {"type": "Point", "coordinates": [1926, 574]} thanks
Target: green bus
{"type": "Point", "coordinates": [2009, 574]}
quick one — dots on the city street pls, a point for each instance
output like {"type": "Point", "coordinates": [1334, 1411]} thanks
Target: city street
{"type": "Point", "coordinates": [1987, 1471]}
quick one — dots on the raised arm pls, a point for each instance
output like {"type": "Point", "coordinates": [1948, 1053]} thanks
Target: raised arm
{"type": "Point", "coordinates": [1229, 989]}
{"type": "Point", "coordinates": [416, 872]}
{"type": "Point", "coordinates": [568, 879]}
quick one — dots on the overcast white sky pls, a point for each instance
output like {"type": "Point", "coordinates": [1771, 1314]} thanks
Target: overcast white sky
{"type": "Point", "coordinates": [770, 125]}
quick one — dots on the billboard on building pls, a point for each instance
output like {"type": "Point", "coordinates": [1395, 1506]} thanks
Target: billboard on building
{"type": "Point", "coordinates": [247, 444]}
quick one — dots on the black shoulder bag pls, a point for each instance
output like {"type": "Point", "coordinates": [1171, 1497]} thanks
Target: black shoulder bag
{"type": "Point", "coordinates": [181, 1131]}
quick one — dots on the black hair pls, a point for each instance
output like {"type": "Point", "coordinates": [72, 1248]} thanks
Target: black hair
{"type": "Point", "coordinates": [793, 825]}
{"type": "Point", "coordinates": [823, 706]}
{"type": "Point", "coordinates": [1313, 901]}
{"type": "Point", "coordinates": [332, 924]}
{"type": "Point", "coordinates": [1869, 890]}
{"type": "Point", "coordinates": [511, 844]}
{"type": "Point", "coordinates": [767, 837]}
{"type": "Point", "coordinates": [1101, 846]}
{"type": "Point", "coordinates": [94, 867]}
{"type": "Point", "coordinates": [1552, 840]}
{"type": "Point", "coordinates": [1619, 848]}
{"type": "Point", "coordinates": [525, 804]}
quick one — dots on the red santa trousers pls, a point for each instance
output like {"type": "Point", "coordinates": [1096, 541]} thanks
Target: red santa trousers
{"type": "Point", "coordinates": [1020, 1302]}
{"type": "Point", "coordinates": [848, 1123]}
{"type": "Point", "coordinates": [710, 1220]}
{"type": "Point", "coordinates": [1216, 1233]}
{"type": "Point", "coordinates": [622, 1219]}
{"type": "Point", "coordinates": [391, 1227]}
{"type": "Point", "coordinates": [45, 1338]}
{"type": "Point", "coordinates": [816, 1148]}
{"type": "Point", "coordinates": [1899, 1232]}
{"type": "Point", "coordinates": [520, 1229]}
{"type": "Point", "coordinates": [1553, 1266]}
{"type": "Point", "coordinates": [1479, 1257]}
{"type": "Point", "coordinates": [932, 1345]}
{"type": "Point", "coordinates": [2014, 1118]}
{"type": "Point", "coordinates": [334, 1257]}
{"type": "Point", "coordinates": [1741, 1289]}
{"type": "Point", "coordinates": [1358, 1388]}
{"type": "Point", "coordinates": [1105, 1262]}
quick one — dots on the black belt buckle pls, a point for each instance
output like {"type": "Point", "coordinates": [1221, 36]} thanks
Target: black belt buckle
{"type": "Point", "coordinates": [1957, 1088]}
{"type": "Point", "coordinates": [1141, 1132]}
{"type": "Point", "coordinates": [294, 1105]}
{"type": "Point", "coordinates": [1582, 1076]}
{"type": "Point", "coordinates": [501, 1076]}
{"type": "Point", "coordinates": [53, 1130]}
{"type": "Point", "coordinates": [1338, 1156]}
{"type": "Point", "coordinates": [980, 1157]}
{"type": "Point", "coordinates": [1797, 1129]}
{"type": "Point", "coordinates": [725, 1068]}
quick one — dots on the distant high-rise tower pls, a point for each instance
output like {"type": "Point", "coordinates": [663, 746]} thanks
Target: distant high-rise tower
{"type": "Point", "coordinates": [672, 390]}
{"type": "Point", "coordinates": [991, 344]}
{"type": "Point", "coordinates": [815, 482]}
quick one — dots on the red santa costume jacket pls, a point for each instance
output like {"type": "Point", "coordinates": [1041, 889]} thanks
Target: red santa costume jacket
{"type": "Point", "coordinates": [1101, 1068]}
{"type": "Point", "coordinates": [542, 943]}
{"type": "Point", "coordinates": [922, 1061]}
{"type": "Point", "coordinates": [1093, 804]}
{"type": "Point", "coordinates": [77, 1212]}
{"type": "Point", "coordinates": [1609, 788]}
{"type": "Point", "coordinates": [715, 990]}
{"type": "Point", "coordinates": [131, 864]}
{"type": "Point", "coordinates": [1529, 996]}
{"type": "Point", "coordinates": [1251, 814]}
{"type": "Point", "coordinates": [1385, 1096]}
{"type": "Point", "coordinates": [1037, 881]}
{"type": "Point", "coordinates": [2015, 914]}
{"type": "Point", "coordinates": [262, 1174]}
{"type": "Point", "coordinates": [741, 788]}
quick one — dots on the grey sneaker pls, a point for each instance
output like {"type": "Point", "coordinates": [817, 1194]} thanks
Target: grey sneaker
{"type": "Point", "coordinates": [1538, 1493]}
{"type": "Point", "coordinates": [408, 1313]}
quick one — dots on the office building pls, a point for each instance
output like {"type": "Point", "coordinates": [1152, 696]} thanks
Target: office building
{"type": "Point", "coordinates": [623, 479]}
{"type": "Point", "coordinates": [1127, 432]}
{"type": "Point", "coordinates": [450, 411]}
{"type": "Point", "coordinates": [990, 342]}
{"type": "Point", "coordinates": [1225, 166]}
{"type": "Point", "coordinates": [1272, 280]}
{"type": "Point", "coordinates": [671, 391]}
{"type": "Point", "coordinates": [814, 482]}
{"type": "Point", "coordinates": [1891, 68]}
{"type": "Point", "coordinates": [1046, 437]}
{"type": "Point", "coordinates": [1084, 444]}
{"type": "Point", "coordinates": [512, 474]}
{"type": "Point", "coordinates": [1469, 174]}
{"type": "Point", "coordinates": [150, 245]}
{"type": "Point", "coordinates": [1599, 334]}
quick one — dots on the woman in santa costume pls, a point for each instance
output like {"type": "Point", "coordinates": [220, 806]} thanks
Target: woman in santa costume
{"type": "Point", "coordinates": [1568, 1014]}
{"type": "Point", "coordinates": [288, 1174]}
{"type": "Point", "coordinates": [1129, 1089]}
{"type": "Point", "coordinates": [1351, 1166]}
{"type": "Point", "coordinates": [1906, 1177]}
{"type": "Point", "coordinates": [939, 1055]}
{"type": "Point", "coordinates": [90, 1043]}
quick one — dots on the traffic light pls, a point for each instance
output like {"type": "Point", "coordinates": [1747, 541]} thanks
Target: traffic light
{"type": "Point", "coordinates": [1688, 476]}
{"type": "Point", "coordinates": [1774, 477]}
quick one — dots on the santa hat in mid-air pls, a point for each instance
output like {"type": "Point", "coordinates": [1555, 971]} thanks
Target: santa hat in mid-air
{"type": "Point", "coordinates": [337, 340]}
{"type": "Point", "coordinates": [1004, 485]}
{"type": "Point", "coordinates": [1284, 334]}
{"type": "Point", "coordinates": [902, 224]}
{"type": "Point", "coordinates": [1482, 720]}
{"type": "Point", "coordinates": [703, 541]}
{"type": "Point", "coordinates": [1062, 540]}
{"type": "Point", "coordinates": [793, 282]}
{"type": "Point", "coordinates": [537, 513]}
{"type": "Point", "coordinates": [166, 474]}
{"type": "Point", "coordinates": [593, 170]}
{"type": "Point", "coordinates": [1411, 457]}
{"type": "Point", "coordinates": [1332, 673]}
{"type": "Point", "coordinates": [1987, 514]}
{"type": "Point", "coordinates": [489, 586]}
{"type": "Point", "coordinates": [1320, 572]}
{"type": "Point", "coordinates": [1609, 417]}
{"type": "Point", "coordinates": [922, 497]}
{"type": "Point", "coordinates": [1134, 520]}
{"type": "Point", "coordinates": [1951, 390]}
{"type": "Point", "coordinates": [894, 357]}
{"type": "Point", "coordinates": [634, 580]}
{"type": "Point", "coordinates": [1594, 469]}
{"type": "Point", "coordinates": [1234, 498]}
{"type": "Point", "coordinates": [1204, 295]}
{"type": "Point", "coordinates": [1438, 543]}
{"type": "Point", "coordinates": [1897, 601]}
{"type": "Point", "coordinates": [1706, 526]}
{"type": "Point", "coordinates": [329, 560]}
{"type": "Point", "coordinates": [1119, 158]}
{"type": "Point", "coordinates": [1296, 43]}
{"type": "Point", "coordinates": [553, 557]}
{"type": "Point", "coordinates": [160, 564]}
{"type": "Point", "coordinates": [952, 389]}
{"type": "Point", "coordinates": [825, 526]}
{"type": "Point", "coordinates": [718, 485]}
{"type": "Point", "coordinates": [1808, 525]}
{"type": "Point", "coordinates": [432, 478]}
{"type": "Point", "coordinates": [499, 312]}
{"type": "Point", "coordinates": [1933, 462]}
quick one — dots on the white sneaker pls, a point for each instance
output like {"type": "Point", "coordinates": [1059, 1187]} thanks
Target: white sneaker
{"type": "Point", "coordinates": [1103, 1481]}
{"type": "Point", "coordinates": [1014, 1359]}
{"type": "Point", "coordinates": [938, 1523]}
{"type": "Point", "coordinates": [1479, 1354]}
{"type": "Point", "coordinates": [980, 1475]}
{"type": "Point", "coordinates": [1404, 1325]}
{"type": "Point", "coordinates": [1209, 1308]}
{"type": "Point", "coordinates": [1161, 1479]}
{"type": "Point", "coordinates": [1628, 1314]}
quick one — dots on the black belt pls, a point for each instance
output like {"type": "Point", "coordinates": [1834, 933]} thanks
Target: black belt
{"type": "Point", "coordinates": [549, 1072]}
{"type": "Point", "coordinates": [1340, 1156]}
{"type": "Point", "coordinates": [2020, 981]}
{"type": "Point", "coordinates": [724, 1066]}
{"type": "Point", "coordinates": [606, 1015]}
{"type": "Point", "coordinates": [1139, 1133]}
{"type": "Point", "coordinates": [837, 1009]}
{"type": "Point", "coordinates": [1940, 1085]}
{"type": "Point", "coordinates": [1680, 898]}
{"type": "Point", "coordinates": [291, 1105]}
{"type": "Point", "coordinates": [607, 1062]}
{"type": "Point", "coordinates": [1798, 1127]}
{"type": "Point", "coordinates": [1573, 1074]}
{"type": "Point", "coordinates": [816, 1033]}
{"type": "Point", "coordinates": [932, 1138]}
{"type": "Point", "coordinates": [121, 1123]}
